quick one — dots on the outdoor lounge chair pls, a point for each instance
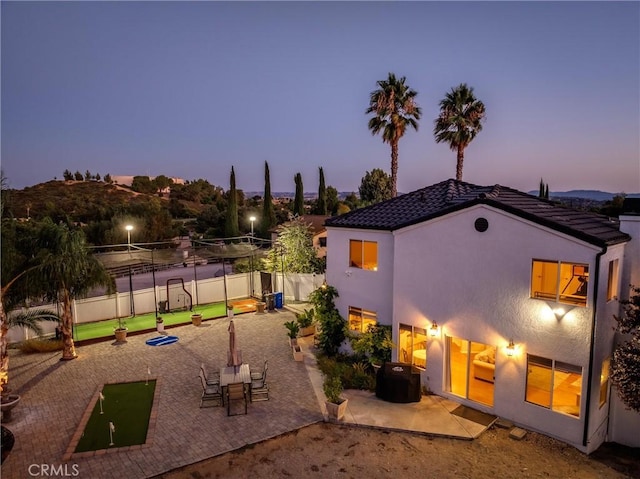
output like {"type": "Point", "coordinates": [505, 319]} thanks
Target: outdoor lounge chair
{"type": "Point", "coordinates": [210, 393]}
{"type": "Point", "coordinates": [211, 379]}
{"type": "Point", "coordinates": [259, 388]}
{"type": "Point", "coordinates": [236, 392]}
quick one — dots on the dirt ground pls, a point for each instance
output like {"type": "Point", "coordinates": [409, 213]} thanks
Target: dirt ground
{"type": "Point", "coordinates": [329, 450]}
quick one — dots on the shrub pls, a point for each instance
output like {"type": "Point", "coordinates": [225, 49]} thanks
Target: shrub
{"type": "Point", "coordinates": [333, 388]}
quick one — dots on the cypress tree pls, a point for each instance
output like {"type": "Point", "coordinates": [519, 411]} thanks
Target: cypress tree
{"type": "Point", "coordinates": [298, 203]}
{"type": "Point", "coordinates": [268, 214]}
{"type": "Point", "coordinates": [231, 222]}
{"type": "Point", "coordinates": [322, 195]}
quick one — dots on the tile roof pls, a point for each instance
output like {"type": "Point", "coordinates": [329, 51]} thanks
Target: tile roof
{"type": "Point", "coordinates": [452, 195]}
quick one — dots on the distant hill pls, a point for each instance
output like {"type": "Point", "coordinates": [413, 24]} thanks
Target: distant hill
{"type": "Point", "coordinates": [595, 195]}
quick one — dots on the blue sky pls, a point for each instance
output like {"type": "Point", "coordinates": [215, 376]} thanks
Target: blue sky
{"type": "Point", "coordinates": [188, 89]}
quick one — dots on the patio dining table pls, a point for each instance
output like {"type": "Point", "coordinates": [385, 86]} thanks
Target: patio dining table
{"type": "Point", "coordinates": [234, 374]}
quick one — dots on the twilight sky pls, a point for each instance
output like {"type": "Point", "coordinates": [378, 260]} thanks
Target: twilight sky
{"type": "Point", "coordinates": [188, 89]}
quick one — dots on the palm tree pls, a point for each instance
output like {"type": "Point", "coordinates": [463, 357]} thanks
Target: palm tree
{"type": "Point", "coordinates": [460, 120]}
{"type": "Point", "coordinates": [394, 108]}
{"type": "Point", "coordinates": [67, 271]}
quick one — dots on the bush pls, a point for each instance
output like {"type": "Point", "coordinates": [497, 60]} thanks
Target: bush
{"type": "Point", "coordinates": [305, 319]}
{"type": "Point", "coordinates": [333, 388]}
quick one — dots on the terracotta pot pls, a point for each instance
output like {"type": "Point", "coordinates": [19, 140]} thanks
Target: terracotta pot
{"type": "Point", "coordinates": [196, 319]}
{"type": "Point", "coordinates": [121, 335]}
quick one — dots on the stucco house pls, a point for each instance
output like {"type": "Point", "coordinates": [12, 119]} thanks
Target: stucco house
{"type": "Point", "coordinates": [504, 300]}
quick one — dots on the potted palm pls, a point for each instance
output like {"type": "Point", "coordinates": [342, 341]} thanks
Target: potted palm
{"type": "Point", "coordinates": [294, 329]}
{"type": "Point", "coordinates": [306, 322]}
{"type": "Point", "coordinates": [336, 405]}
{"type": "Point", "coordinates": [120, 331]}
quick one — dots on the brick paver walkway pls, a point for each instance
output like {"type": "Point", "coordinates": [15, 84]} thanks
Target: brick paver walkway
{"type": "Point", "coordinates": [55, 394]}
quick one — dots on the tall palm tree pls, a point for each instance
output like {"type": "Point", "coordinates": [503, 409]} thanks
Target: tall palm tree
{"type": "Point", "coordinates": [67, 271]}
{"type": "Point", "coordinates": [460, 120]}
{"type": "Point", "coordinates": [394, 108]}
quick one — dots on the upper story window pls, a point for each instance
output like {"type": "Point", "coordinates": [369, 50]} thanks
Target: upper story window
{"type": "Point", "coordinates": [559, 281]}
{"type": "Point", "coordinates": [363, 254]}
{"type": "Point", "coordinates": [322, 241]}
{"type": "Point", "coordinates": [361, 319]}
{"type": "Point", "coordinates": [612, 286]}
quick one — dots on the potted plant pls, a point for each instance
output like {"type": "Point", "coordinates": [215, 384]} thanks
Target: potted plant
{"type": "Point", "coordinates": [306, 322]}
{"type": "Point", "coordinates": [297, 352]}
{"type": "Point", "coordinates": [336, 405]}
{"type": "Point", "coordinates": [230, 311]}
{"type": "Point", "coordinates": [375, 344]}
{"type": "Point", "coordinates": [294, 329]}
{"type": "Point", "coordinates": [120, 331]}
{"type": "Point", "coordinates": [196, 319]}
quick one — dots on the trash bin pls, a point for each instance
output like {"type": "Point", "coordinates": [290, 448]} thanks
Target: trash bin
{"type": "Point", "coordinates": [162, 306]}
{"type": "Point", "coordinates": [278, 300]}
{"type": "Point", "coordinates": [270, 300]}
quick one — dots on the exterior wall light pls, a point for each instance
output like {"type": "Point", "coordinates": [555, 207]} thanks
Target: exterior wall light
{"type": "Point", "coordinates": [559, 310]}
{"type": "Point", "coordinates": [433, 330]}
{"type": "Point", "coordinates": [324, 284]}
{"type": "Point", "coordinates": [511, 348]}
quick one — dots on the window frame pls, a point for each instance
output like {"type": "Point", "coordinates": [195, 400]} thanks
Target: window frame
{"type": "Point", "coordinates": [414, 332]}
{"type": "Point", "coordinates": [579, 271]}
{"type": "Point", "coordinates": [364, 262]}
{"type": "Point", "coordinates": [554, 366]}
{"type": "Point", "coordinates": [371, 317]}
{"type": "Point", "coordinates": [613, 281]}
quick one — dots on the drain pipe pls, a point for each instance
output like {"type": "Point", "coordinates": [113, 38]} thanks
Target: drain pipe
{"type": "Point", "coordinates": [587, 405]}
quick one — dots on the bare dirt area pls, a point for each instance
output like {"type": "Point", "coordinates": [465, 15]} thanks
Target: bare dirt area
{"type": "Point", "coordinates": [330, 450]}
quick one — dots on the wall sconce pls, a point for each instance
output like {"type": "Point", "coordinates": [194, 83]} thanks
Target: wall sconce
{"type": "Point", "coordinates": [348, 272]}
{"type": "Point", "coordinates": [511, 348]}
{"type": "Point", "coordinates": [324, 284]}
{"type": "Point", "coordinates": [559, 310]}
{"type": "Point", "coordinates": [434, 329]}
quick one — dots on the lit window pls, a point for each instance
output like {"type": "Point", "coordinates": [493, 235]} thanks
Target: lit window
{"type": "Point", "coordinates": [361, 319]}
{"type": "Point", "coordinates": [412, 342]}
{"type": "Point", "coordinates": [612, 286]}
{"type": "Point", "coordinates": [604, 381]}
{"type": "Point", "coordinates": [363, 254]}
{"type": "Point", "coordinates": [560, 282]}
{"type": "Point", "coordinates": [554, 385]}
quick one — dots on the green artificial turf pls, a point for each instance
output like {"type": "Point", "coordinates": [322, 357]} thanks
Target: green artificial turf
{"type": "Point", "coordinates": [103, 329]}
{"type": "Point", "coordinates": [128, 407]}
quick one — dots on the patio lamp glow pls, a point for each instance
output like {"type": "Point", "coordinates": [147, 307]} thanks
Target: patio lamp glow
{"type": "Point", "coordinates": [511, 348]}
{"type": "Point", "coordinates": [252, 219]}
{"type": "Point", "coordinates": [129, 228]}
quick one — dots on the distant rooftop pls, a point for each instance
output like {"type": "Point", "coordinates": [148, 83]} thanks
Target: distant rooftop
{"type": "Point", "coordinates": [452, 195]}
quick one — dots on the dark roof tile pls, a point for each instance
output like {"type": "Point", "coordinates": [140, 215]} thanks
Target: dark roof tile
{"type": "Point", "coordinates": [452, 195]}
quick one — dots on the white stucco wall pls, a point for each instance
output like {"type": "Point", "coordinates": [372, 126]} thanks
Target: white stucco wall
{"type": "Point", "coordinates": [477, 287]}
{"type": "Point", "coordinates": [371, 290]}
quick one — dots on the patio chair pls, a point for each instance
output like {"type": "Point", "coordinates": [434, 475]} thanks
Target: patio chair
{"type": "Point", "coordinates": [236, 392]}
{"type": "Point", "coordinates": [255, 374]}
{"type": "Point", "coordinates": [259, 388]}
{"type": "Point", "coordinates": [210, 393]}
{"type": "Point", "coordinates": [211, 379]}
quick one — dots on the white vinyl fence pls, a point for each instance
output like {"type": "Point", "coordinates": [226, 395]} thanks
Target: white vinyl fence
{"type": "Point", "coordinates": [212, 290]}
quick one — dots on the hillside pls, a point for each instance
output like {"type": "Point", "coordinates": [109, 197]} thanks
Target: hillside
{"type": "Point", "coordinates": [80, 200]}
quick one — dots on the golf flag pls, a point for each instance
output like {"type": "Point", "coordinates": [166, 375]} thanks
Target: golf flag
{"type": "Point", "coordinates": [101, 396]}
{"type": "Point", "coordinates": [112, 427]}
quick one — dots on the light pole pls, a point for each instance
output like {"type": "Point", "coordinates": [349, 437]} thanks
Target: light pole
{"type": "Point", "coordinates": [131, 304]}
{"type": "Point", "coordinates": [252, 219]}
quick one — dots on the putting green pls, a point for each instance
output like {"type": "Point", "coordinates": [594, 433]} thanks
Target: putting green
{"type": "Point", "coordinates": [104, 329]}
{"type": "Point", "coordinates": [128, 407]}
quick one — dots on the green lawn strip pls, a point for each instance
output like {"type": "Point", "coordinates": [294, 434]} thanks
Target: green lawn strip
{"type": "Point", "coordinates": [102, 329]}
{"type": "Point", "coordinates": [128, 407]}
